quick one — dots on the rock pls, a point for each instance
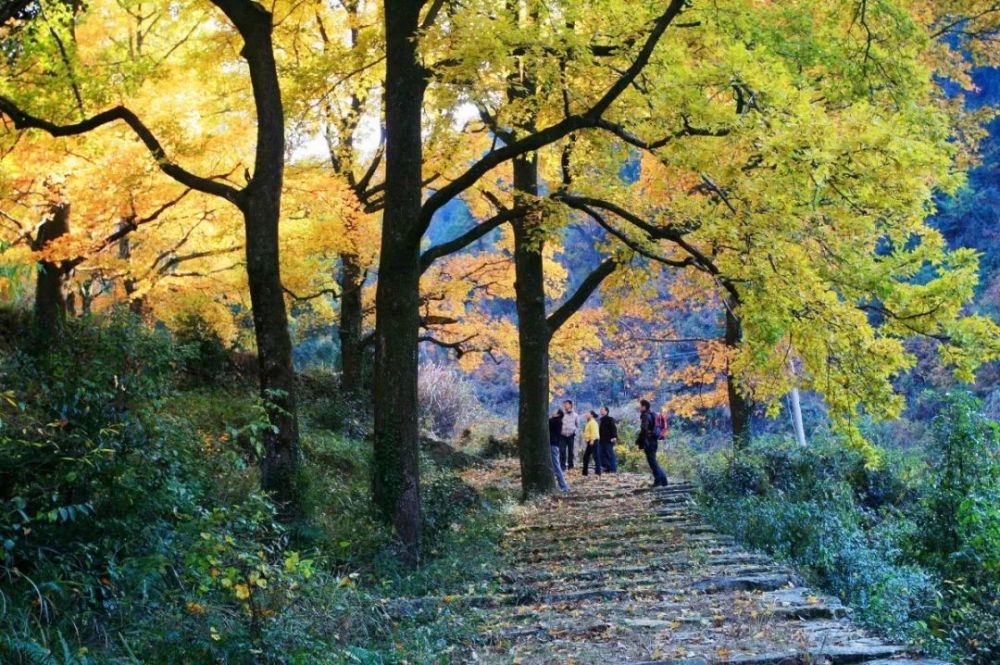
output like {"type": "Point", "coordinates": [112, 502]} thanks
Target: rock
{"type": "Point", "coordinates": [446, 456]}
{"type": "Point", "coordinates": [761, 582]}
{"type": "Point", "coordinates": [906, 661]}
{"type": "Point", "coordinates": [860, 653]}
{"type": "Point", "coordinates": [587, 594]}
{"type": "Point", "coordinates": [778, 658]}
{"type": "Point", "coordinates": [836, 655]}
{"type": "Point", "coordinates": [657, 624]}
{"type": "Point", "coordinates": [806, 612]}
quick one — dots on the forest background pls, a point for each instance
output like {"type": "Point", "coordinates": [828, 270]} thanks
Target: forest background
{"type": "Point", "coordinates": [256, 264]}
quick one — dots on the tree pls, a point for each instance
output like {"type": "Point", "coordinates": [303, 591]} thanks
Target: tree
{"type": "Point", "coordinates": [801, 194]}
{"type": "Point", "coordinates": [396, 486]}
{"type": "Point", "coordinates": [259, 204]}
{"type": "Point", "coordinates": [335, 79]}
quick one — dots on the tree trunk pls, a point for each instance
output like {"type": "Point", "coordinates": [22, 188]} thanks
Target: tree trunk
{"type": "Point", "coordinates": [740, 408]}
{"type": "Point", "coordinates": [50, 304]}
{"type": "Point", "coordinates": [396, 478]}
{"type": "Point", "coordinates": [280, 463]}
{"type": "Point", "coordinates": [260, 203]}
{"type": "Point", "coordinates": [135, 305]}
{"type": "Point", "coordinates": [796, 409]}
{"type": "Point", "coordinates": [351, 315]}
{"type": "Point", "coordinates": [533, 339]}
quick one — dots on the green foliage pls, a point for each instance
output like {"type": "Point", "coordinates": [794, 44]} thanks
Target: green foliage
{"type": "Point", "coordinates": [132, 531]}
{"type": "Point", "coordinates": [960, 526]}
{"type": "Point", "coordinates": [911, 545]}
{"type": "Point", "coordinates": [961, 518]}
{"type": "Point", "coordinates": [207, 361]}
{"type": "Point", "coordinates": [327, 406]}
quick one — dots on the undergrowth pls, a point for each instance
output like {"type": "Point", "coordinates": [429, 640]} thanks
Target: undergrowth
{"type": "Point", "coordinates": [132, 529]}
{"type": "Point", "coordinates": [912, 545]}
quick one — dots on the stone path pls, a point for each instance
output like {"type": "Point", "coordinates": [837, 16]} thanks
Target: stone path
{"type": "Point", "coordinates": [615, 572]}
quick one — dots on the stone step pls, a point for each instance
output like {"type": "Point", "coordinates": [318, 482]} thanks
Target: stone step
{"type": "Point", "coordinates": [834, 655]}
{"type": "Point", "coordinates": [635, 528]}
{"type": "Point", "coordinates": [673, 565]}
{"type": "Point", "coordinates": [568, 522]}
{"type": "Point", "coordinates": [616, 571]}
{"type": "Point", "coordinates": [751, 582]}
{"type": "Point", "coordinates": [713, 545]}
{"type": "Point", "coordinates": [907, 661]}
{"type": "Point", "coordinates": [644, 577]}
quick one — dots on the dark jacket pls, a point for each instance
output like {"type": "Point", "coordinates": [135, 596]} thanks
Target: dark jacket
{"type": "Point", "coordinates": [555, 430]}
{"type": "Point", "coordinates": [609, 429]}
{"type": "Point", "coordinates": [647, 429]}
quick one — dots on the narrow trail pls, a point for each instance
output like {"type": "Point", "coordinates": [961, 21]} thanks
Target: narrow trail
{"type": "Point", "coordinates": [616, 572]}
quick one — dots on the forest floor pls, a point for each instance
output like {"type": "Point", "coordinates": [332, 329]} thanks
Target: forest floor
{"type": "Point", "coordinates": [617, 572]}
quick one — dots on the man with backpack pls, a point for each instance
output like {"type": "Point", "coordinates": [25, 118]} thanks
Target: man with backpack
{"type": "Point", "coordinates": [652, 430]}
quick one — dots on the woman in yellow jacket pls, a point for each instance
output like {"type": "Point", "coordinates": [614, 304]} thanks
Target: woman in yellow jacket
{"type": "Point", "coordinates": [591, 436]}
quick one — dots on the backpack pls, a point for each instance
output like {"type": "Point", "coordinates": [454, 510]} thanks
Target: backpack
{"type": "Point", "coordinates": [660, 426]}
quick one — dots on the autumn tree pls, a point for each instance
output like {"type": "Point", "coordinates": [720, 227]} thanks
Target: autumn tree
{"type": "Point", "coordinates": [406, 218]}
{"type": "Point", "coordinates": [258, 201]}
{"type": "Point", "coordinates": [794, 170]}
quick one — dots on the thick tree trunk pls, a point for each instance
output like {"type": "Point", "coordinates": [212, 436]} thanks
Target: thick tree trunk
{"type": "Point", "coordinates": [396, 478]}
{"type": "Point", "coordinates": [260, 203]}
{"type": "Point", "coordinates": [50, 304]}
{"type": "Point", "coordinates": [740, 408]}
{"type": "Point", "coordinates": [280, 463]}
{"type": "Point", "coordinates": [351, 316]}
{"type": "Point", "coordinates": [533, 338]}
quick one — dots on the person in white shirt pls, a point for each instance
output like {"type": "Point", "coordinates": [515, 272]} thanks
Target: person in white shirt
{"type": "Point", "coordinates": [571, 426]}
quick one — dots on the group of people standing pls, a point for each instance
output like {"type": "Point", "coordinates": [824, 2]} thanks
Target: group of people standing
{"type": "Point", "coordinates": [598, 433]}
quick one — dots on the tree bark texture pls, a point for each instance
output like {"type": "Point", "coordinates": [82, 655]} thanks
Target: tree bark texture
{"type": "Point", "coordinates": [351, 317]}
{"type": "Point", "coordinates": [533, 338]}
{"type": "Point", "coordinates": [50, 304]}
{"type": "Point", "coordinates": [396, 473]}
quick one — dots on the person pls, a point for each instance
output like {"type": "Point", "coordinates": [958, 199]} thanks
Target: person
{"type": "Point", "coordinates": [570, 428]}
{"type": "Point", "coordinates": [647, 442]}
{"type": "Point", "coordinates": [555, 445]}
{"type": "Point", "coordinates": [592, 437]}
{"type": "Point", "coordinates": [608, 437]}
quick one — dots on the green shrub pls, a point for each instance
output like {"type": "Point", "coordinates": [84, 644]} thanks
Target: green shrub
{"type": "Point", "coordinates": [911, 545]}
{"type": "Point", "coordinates": [328, 407]}
{"type": "Point", "coordinates": [132, 530]}
{"type": "Point", "coordinates": [959, 516]}
{"type": "Point", "coordinates": [207, 361]}
{"type": "Point", "coordinates": [113, 537]}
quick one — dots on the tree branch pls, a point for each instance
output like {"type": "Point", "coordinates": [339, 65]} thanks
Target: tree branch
{"type": "Point", "coordinates": [701, 260]}
{"type": "Point", "coordinates": [312, 296]}
{"type": "Point", "coordinates": [575, 301]}
{"type": "Point", "coordinates": [553, 133]}
{"type": "Point", "coordinates": [628, 242]}
{"type": "Point", "coordinates": [472, 235]}
{"type": "Point", "coordinates": [24, 120]}
{"type": "Point", "coordinates": [650, 146]}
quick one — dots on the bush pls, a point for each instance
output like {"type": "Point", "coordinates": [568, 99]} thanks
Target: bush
{"type": "Point", "coordinates": [110, 519]}
{"type": "Point", "coordinates": [447, 400]}
{"type": "Point", "coordinates": [961, 516]}
{"type": "Point", "coordinates": [207, 359]}
{"type": "Point", "coordinates": [873, 536]}
{"type": "Point", "coordinates": [328, 407]}
{"type": "Point", "coordinates": [132, 530]}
